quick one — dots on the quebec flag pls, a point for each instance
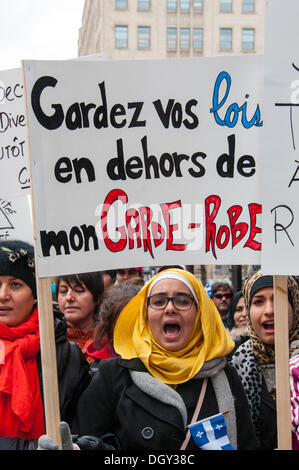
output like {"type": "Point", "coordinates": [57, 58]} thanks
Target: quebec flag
{"type": "Point", "coordinates": [210, 433]}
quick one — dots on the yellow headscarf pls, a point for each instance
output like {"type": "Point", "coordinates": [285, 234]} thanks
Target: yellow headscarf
{"type": "Point", "coordinates": [209, 340]}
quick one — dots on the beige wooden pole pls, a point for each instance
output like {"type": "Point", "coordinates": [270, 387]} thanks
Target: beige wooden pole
{"type": "Point", "coordinates": [283, 403]}
{"type": "Point", "coordinates": [48, 357]}
{"type": "Point", "coordinates": [46, 324]}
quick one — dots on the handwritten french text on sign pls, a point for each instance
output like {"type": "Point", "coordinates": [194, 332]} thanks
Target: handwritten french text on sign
{"type": "Point", "coordinates": [280, 174]}
{"type": "Point", "coordinates": [145, 163]}
{"type": "Point", "coordinates": [15, 216]}
{"type": "Point", "coordinates": [14, 172]}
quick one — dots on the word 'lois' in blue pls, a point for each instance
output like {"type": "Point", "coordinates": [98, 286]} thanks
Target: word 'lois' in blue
{"type": "Point", "coordinates": [232, 113]}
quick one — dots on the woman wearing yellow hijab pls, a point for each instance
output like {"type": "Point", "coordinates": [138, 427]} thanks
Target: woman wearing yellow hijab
{"type": "Point", "coordinates": [172, 348]}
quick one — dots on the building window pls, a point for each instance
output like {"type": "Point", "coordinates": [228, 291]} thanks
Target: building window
{"type": "Point", "coordinates": [144, 37]}
{"type": "Point", "coordinates": [226, 35]}
{"type": "Point", "coordinates": [185, 5]}
{"type": "Point", "coordinates": [185, 39]}
{"type": "Point", "coordinates": [144, 4]}
{"type": "Point", "coordinates": [248, 6]}
{"type": "Point", "coordinates": [197, 39]}
{"type": "Point", "coordinates": [121, 37]}
{"type": "Point", "coordinates": [121, 4]}
{"type": "Point", "coordinates": [248, 39]}
{"type": "Point", "coordinates": [226, 5]}
{"type": "Point", "coordinates": [198, 6]}
{"type": "Point", "coordinates": [171, 5]}
{"type": "Point", "coordinates": [171, 39]}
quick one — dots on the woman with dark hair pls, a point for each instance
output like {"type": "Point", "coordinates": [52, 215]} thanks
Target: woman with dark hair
{"type": "Point", "coordinates": [115, 299]}
{"type": "Point", "coordinates": [254, 360]}
{"type": "Point", "coordinates": [79, 297]}
{"type": "Point", "coordinates": [236, 320]}
{"type": "Point", "coordinates": [21, 390]}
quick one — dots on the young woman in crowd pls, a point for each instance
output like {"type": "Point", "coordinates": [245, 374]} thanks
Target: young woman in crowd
{"type": "Point", "coordinates": [79, 297]}
{"type": "Point", "coordinates": [109, 278]}
{"type": "Point", "coordinates": [254, 360]}
{"type": "Point", "coordinates": [21, 391]}
{"type": "Point", "coordinates": [115, 299]}
{"type": "Point", "coordinates": [236, 319]}
{"type": "Point", "coordinates": [172, 346]}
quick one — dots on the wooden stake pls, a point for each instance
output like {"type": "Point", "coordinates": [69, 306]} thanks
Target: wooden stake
{"type": "Point", "coordinates": [48, 356]}
{"type": "Point", "coordinates": [46, 323]}
{"type": "Point", "coordinates": [283, 403]}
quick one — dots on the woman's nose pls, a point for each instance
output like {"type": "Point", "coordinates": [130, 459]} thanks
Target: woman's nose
{"type": "Point", "coordinates": [70, 294]}
{"type": "Point", "coordinates": [170, 306]}
{"type": "Point", "coordinates": [269, 307]}
{"type": "Point", "coordinates": [4, 293]}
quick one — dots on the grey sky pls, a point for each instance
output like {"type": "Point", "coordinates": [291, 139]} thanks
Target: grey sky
{"type": "Point", "coordinates": [38, 29]}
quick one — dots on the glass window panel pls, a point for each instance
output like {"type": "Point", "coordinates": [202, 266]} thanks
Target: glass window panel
{"type": "Point", "coordinates": [248, 39]}
{"type": "Point", "coordinates": [144, 33]}
{"type": "Point", "coordinates": [198, 5]}
{"type": "Point", "coordinates": [171, 38]}
{"type": "Point", "coordinates": [185, 5]}
{"type": "Point", "coordinates": [225, 5]}
{"type": "Point", "coordinates": [144, 4]}
{"type": "Point", "coordinates": [185, 38]}
{"type": "Point", "coordinates": [121, 36]}
{"type": "Point", "coordinates": [121, 3]}
{"type": "Point", "coordinates": [226, 39]}
{"type": "Point", "coordinates": [248, 6]}
{"type": "Point", "coordinates": [197, 39]}
{"type": "Point", "coordinates": [171, 5]}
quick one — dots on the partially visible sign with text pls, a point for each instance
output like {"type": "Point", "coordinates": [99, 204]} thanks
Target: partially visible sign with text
{"type": "Point", "coordinates": [280, 170]}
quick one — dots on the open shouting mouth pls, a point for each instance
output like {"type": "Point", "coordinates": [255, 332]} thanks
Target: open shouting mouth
{"type": "Point", "coordinates": [171, 330]}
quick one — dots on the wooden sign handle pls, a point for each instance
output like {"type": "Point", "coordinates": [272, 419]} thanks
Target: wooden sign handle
{"type": "Point", "coordinates": [48, 356]}
{"type": "Point", "coordinates": [282, 368]}
{"type": "Point", "coordinates": [46, 322]}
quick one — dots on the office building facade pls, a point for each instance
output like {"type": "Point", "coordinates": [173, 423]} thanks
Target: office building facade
{"type": "Point", "coordinates": [157, 29]}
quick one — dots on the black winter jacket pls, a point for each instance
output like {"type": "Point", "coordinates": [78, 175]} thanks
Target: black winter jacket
{"type": "Point", "coordinates": [268, 420]}
{"type": "Point", "coordinates": [73, 378]}
{"type": "Point", "coordinates": [113, 404]}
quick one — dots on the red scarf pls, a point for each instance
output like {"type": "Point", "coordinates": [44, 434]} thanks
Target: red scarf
{"type": "Point", "coordinates": [21, 408]}
{"type": "Point", "coordinates": [105, 353]}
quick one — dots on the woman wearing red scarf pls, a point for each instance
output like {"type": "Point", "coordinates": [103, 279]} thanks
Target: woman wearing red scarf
{"type": "Point", "coordinates": [21, 405]}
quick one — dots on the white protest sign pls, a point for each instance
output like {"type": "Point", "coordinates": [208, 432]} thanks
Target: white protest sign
{"type": "Point", "coordinates": [15, 212]}
{"type": "Point", "coordinates": [280, 181]}
{"type": "Point", "coordinates": [138, 163]}
{"type": "Point", "coordinates": [14, 172]}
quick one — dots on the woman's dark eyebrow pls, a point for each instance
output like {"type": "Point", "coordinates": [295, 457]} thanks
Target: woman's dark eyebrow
{"type": "Point", "coordinates": [260, 296]}
{"type": "Point", "coordinates": [176, 293]}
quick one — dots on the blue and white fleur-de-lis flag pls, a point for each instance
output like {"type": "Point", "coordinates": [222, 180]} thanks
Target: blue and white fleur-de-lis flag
{"type": "Point", "coordinates": [211, 433]}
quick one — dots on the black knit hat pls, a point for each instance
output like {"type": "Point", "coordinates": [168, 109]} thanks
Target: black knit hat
{"type": "Point", "coordinates": [17, 259]}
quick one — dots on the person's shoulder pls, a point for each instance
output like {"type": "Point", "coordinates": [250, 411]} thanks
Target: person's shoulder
{"type": "Point", "coordinates": [294, 361]}
{"type": "Point", "coordinates": [242, 351]}
{"type": "Point", "coordinates": [230, 370]}
{"type": "Point", "coordinates": [122, 364]}
{"type": "Point", "coordinates": [116, 366]}
{"type": "Point", "coordinates": [109, 363]}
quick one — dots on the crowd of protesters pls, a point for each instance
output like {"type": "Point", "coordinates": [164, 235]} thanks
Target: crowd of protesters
{"type": "Point", "coordinates": [141, 363]}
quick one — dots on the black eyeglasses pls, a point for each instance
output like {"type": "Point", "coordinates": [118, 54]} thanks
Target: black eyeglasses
{"type": "Point", "coordinates": [219, 296]}
{"type": "Point", "coordinates": [180, 302]}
